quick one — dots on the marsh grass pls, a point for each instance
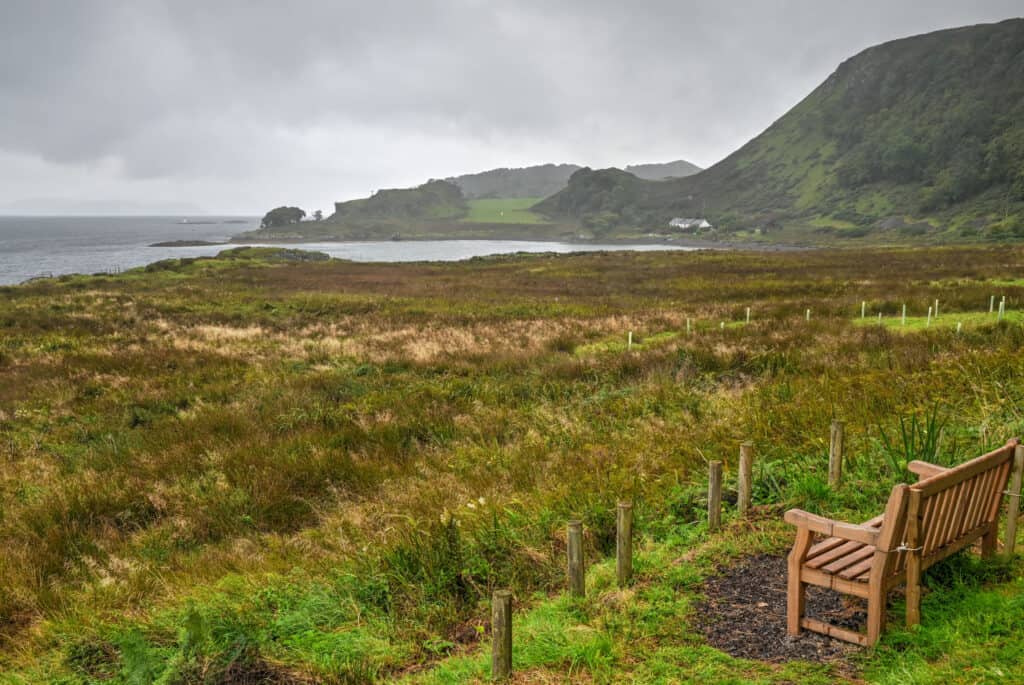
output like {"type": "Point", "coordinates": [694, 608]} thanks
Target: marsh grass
{"type": "Point", "coordinates": [320, 471]}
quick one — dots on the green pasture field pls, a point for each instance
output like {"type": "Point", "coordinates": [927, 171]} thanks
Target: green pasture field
{"type": "Point", "coordinates": [504, 211]}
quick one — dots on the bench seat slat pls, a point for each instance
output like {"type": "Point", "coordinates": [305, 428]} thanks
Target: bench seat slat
{"type": "Point", "coordinates": [828, 544]}
{"type": "Point", "coordinates": [859, 571]}
{"type": "Point", "coordinates": [848, 560]}
{"type": "Point", "coordinates": [833, 554]}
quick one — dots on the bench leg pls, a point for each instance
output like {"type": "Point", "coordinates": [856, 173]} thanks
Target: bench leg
{"type": "Point", "coordinates": [989, 541]}
{"type": "Point", "coordinates": [876, 613]}
{"type": "Point", "coordinates": [913, 592]}
{"type": "Point", "coordinates": [796, 601]}
{"type": "Point", "coordinates": [796, 591]}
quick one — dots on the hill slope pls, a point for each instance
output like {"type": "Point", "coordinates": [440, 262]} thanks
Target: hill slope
{"type": "Point", "coordinates": [659, 172]}
{"type": "Point", "coordinates": [547, 179]}
{"type": "Point", "coordinates": [533, 181]}
{"type": "Point", "coordinates": [432, 200]}
{"type": "Point", "coordinates": [923, 128]}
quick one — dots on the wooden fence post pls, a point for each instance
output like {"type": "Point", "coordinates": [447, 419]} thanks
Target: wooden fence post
{"type": "Point", "coordinates": [1013, 506]}
{"type": "Point", "coordinates": [501, 634]}
{"type": "Point", "coordinates": [746, 478]}
{"type": "Point", "coordinates": [624, 542]}
{"type": "Point", "coordinates": [577, 572]}
{"type": "Point", "coordinates": [903, 319]}
{"type": "Point", "coordinates": [835, 453]}
{"type": "Point", "coordinates": [714, 495]}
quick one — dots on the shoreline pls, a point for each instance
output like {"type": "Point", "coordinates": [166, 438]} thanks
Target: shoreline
{"type": "Point", "coordinates": [694, 244]}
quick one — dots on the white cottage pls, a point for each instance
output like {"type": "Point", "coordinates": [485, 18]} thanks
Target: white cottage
{"type": "Point", "coordinates": [689, 224]}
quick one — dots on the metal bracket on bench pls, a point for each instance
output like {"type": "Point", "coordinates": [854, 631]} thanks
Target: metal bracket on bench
{"type": "Point", "coordinates": [903, 548]}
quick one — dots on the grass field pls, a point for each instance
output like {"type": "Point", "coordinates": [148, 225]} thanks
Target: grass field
{"type": "Point", "coordinates": [246, 469]}
{"type": "Point", "coordinates": [504, 211]}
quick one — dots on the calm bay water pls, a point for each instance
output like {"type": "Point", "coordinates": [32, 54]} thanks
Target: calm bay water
{"type": "Point", "coordinates": [34, 246]}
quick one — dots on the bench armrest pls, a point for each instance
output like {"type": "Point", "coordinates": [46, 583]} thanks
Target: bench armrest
{"type": "Point", "coordinates": [829, 527]}
{"type": "Point", "coordinates": [925, 470]}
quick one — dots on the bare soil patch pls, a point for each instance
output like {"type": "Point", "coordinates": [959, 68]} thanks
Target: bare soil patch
{"type": "Point", "coordinates": [744, 614]}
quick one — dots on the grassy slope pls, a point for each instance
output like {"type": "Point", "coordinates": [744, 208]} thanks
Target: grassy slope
{"type": "Point", "coordinates": [504, 211]}
{"type": "Point", "coordinates": [926, 129]}
{"type": "Point", "coordinates": [220, 468]}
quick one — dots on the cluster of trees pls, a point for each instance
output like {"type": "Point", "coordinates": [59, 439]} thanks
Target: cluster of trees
{"type": "Point", "coordinates": [925, 113]}
{"type": "Point", "coordinates": [286, 216]}
{"type": "Point", "coordinates": [952, 163]}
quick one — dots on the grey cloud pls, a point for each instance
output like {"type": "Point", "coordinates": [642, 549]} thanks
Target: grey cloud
{"type": "Point", "coordinates": [231, 100]}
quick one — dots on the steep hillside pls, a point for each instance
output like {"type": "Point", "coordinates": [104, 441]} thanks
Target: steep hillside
{"type": "Point", "coordinates": [916, 138]}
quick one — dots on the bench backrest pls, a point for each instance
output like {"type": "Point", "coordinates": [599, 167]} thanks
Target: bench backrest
{"type": "Point", "coordinates": [952, 509]}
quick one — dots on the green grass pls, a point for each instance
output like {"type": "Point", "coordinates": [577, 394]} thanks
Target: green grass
{"type": "Point", "coordinates": [946, 320]}
{"type": "Point", "coordinates": [504, 211]}
{"type": "Point", "coordinates": [253, 467]}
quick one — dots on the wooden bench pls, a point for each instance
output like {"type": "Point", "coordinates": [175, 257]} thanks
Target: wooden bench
{"type": "Point", "coordinates": [944, 512]}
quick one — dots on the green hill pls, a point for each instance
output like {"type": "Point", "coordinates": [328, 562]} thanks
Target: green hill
{"type": "Point", "coordinates": [548, 179]}
{"type": "Point", "coordinates": [660, 172]}
{"type": "Point", "coordinates": [433, 200]}
{"type": "Point", "coordinates": [917, 138]}
{"type": "Point", "coordinates": [527, 182]}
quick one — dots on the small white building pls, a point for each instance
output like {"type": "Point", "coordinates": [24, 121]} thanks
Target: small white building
{"type": "Point", "coordinates": [689, 224]}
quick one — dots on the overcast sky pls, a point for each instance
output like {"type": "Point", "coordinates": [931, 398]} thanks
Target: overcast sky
{"type": "Point", "coordinates": [238, 106]}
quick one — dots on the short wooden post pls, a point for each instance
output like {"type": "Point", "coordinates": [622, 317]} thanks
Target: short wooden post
{"type": "Point", "coordinates": [687, 326]}
{"type": "Point", "coordinates": [863, 309]}
{"type": "Point", "coordinates": [807, 315]}
{"type": "Point", "coordinates": [1013, 505]}
{"type": "Point", "coordinates": [629, 343]}
{"type": "Point", "coordinates": [714, 495]}
{"type": "Point", "coordinates": [879, 318]}
{"type": "Point", "coordinates": [624, 542]}
{"type": "Point", "coordinates": [746, 478]}
{"type": "Point", "coordinates": [748, 314]}
{"type": "Point", "coordinates": [903, 319]}
{"type": "Point", "coordinates": [936, 310]}
{"type": "Point", "coordinates": [577, 584]}
{"type": "Point", "coordinates": [501, 635]}
{"type": "Point", "coordinates": [959, 325]}
{"type": "Point", "coordinates": [929, 321]}
{"type": "Point", "coordinates": [991, 304]}
{"type": "Point", "coordinates": [835, 453]}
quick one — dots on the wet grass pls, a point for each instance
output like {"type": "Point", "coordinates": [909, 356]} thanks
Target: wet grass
{"type": "Point", "coordinates": [504, 211]}
{"type": "Point", "coordinates": [319, 471]}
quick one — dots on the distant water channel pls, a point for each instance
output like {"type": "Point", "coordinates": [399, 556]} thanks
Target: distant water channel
{"type": "Point", "coordinates": [37, 246]}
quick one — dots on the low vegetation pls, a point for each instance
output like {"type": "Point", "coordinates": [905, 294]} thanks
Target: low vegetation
{"type": "Point", "coordinates": [263, 468]}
